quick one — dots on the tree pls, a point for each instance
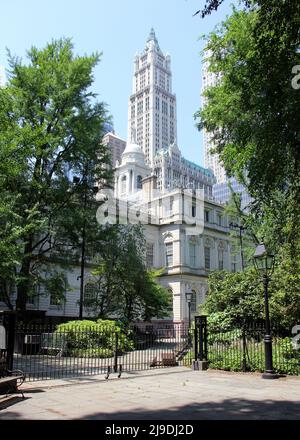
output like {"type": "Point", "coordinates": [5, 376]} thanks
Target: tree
{"type": "Point", "coordinates": [252, 111]}
{"type": "Point", "coordinates": [253, 114]}
{"type": "Point", "coordinates": [51, 131]}
{"type": "Point", "coordinates": [238, 297]}
{"type": "Point", "coordinates": [123, 286]}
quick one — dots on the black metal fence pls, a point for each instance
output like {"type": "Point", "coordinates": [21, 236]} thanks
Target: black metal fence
{"type": "Point", "coordinates": [49, 352]}
{"type": "Point", "coordinates": [45, 352]}
{"type": "Point", "coordinates": [241, 348]}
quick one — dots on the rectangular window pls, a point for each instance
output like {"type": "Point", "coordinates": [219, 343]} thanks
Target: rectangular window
{"type": "Point", "coordinates": [192, 247]}
{"type": "Point", "coordinates": [207, 258]}
{"type": "Point", "coordinates": [55, 300]}
{"type": "Point", "coordinates": [221, 259]}
{"type": "Point", "coordinates": [206, 216]}
{"type": "Point", "coordinates": [149, 254]}
{"type": "Point", "coordinates": [171, 205]}
{"type": "Point", "coordinates": [194, 303]}
{"type": "Point", "coordinates": [2, 294]}
{"type": "Point", "coordinates": [220, 222]}
{"type": "Point", "coordinates": [147, 103]}
{"type": "Point", "coordinates": [133, 111]}
{"type": "Point", "coordinates": [90, 295]}
{"type": "Point", "coordinates": [157, 103]}
{"type": "Point", "coordinates": [169, 254]}
{"type": "Point", "coordinates": [194, 209]}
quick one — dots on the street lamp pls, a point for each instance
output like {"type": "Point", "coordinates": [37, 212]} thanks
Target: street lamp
{"type": "Point", "coordinates": [264, 264]}
{"type": "Point", "coordinates": [241, 228]}
{"type": "Point", "coordinates": [189, 297]}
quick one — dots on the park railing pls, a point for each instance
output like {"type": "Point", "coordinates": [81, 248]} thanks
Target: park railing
{"type": "Point", "coordinates": [241, 348]}
{"type": "Point", "coordinates": [48, 352]}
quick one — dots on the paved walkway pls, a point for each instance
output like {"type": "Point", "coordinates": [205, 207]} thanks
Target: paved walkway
{"type": "Point", "coordinates": [167, 394]}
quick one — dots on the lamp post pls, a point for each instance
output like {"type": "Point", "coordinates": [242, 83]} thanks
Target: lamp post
{"type": "Point", "coordinates": [264, 264]}
{"type": "Point", "coordinates": [241, 228]}
{"type": "Point", "coordinates": [188, 297]}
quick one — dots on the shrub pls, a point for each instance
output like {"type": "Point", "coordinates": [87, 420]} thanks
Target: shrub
{"type": "Point", "coordinates": [87, 338]}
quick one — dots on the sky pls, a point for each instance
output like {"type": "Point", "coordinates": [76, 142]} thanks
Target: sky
{"type": "Point", "coordinates": [118, 29]}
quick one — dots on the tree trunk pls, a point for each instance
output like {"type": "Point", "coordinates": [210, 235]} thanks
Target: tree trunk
{"type": "Point", "coordinates": [22, 290]}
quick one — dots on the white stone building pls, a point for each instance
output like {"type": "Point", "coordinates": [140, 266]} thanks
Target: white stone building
{"type": "Point", "coordinates": [187, 252]}
{"type": "Point", "coordinates": [185, 229]}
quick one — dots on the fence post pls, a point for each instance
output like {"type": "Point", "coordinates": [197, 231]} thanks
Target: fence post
{"type": "Point", "coordinates": [11, 329]}
{"type": "Point", "coordinates": [200, 362]}
{"type": "Point", "coordinates": [116, 353]}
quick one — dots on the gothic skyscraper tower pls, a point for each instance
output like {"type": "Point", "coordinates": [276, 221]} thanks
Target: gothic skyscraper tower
{"type": "Point", "coordinates": [152, 120]}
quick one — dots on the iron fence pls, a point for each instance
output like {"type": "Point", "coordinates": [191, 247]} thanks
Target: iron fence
{"type": "Point", "coordinates": [241, 348]}
{"type": "Point", "coordinates": [45, 352]}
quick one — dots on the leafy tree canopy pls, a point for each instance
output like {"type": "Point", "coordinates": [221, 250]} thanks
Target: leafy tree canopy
{"type": "Point", "coordinates": [123, 286]}
{"type": "Point", "coordinates": [51, 131]}
{"type": "Point", "coordinates": [253, 110]}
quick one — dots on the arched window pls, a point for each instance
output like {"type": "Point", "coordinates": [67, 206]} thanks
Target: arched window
{"type": "Point", "coordinates": [139, 182]}
{"type": "Point", "coordinates": [123, 185]}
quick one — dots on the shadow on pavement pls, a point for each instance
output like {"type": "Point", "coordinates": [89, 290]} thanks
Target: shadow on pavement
{"type": "Point", "coordinates": [228, 409]}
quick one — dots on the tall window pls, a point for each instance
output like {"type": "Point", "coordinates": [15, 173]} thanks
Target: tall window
{"type": "Point", "coordinates": [169, 254]}
{"type": "Point", "coordinates": [206, 216]}
{"type": "Point", "coordinates": [147, 103]}
{"type": "Point", "coordinates": [171, 205]}
{"type": "Point", "coordinates": [123, 185]}
{"type": "Point", "coordinates": [192, 247]}
{"type": "Point", "coordinates": [90, 295]}
{"type": "Point", "coordinates": [157, 103]}
{"type": "Point", "coordinates": [220, 219]}
{"type": "Point", "coordinates": [221, 259]}
{"type": "Point", "coordinates": [194, 209]}
{"type": "Point", "coordinates": [194, 302]}
{"type": "Point", "coordinates": [2, 293]}
{"type": "Point", "coordinates": [139, 182]}
{"type": "Point", "coordinates": [207, 257]}
{"type": "Point", "coordinates": [150, 255]}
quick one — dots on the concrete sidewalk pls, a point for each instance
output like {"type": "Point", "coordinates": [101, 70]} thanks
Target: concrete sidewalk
{"type": "Point", "coordinates": [168, 394]}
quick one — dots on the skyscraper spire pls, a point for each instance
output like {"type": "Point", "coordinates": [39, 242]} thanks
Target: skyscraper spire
{"type": "Point", "coordinates": [152, 40]}
{"type": "Point", "coordinates": [152, 35]}
{"type": "Point", "coordinates": [152, 105]}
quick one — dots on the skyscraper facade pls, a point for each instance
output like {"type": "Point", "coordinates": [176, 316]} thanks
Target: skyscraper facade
{"type": "Point", "coordinates": [224, 185]}
{"type": "Point", "coordinates": [152, 122]}
{"type": "Point", "coordinates": [152, 105]}
{"type": "Point", "coordinates": [211, 160]}
{"type": "Point", "coordinates": [116, 146]}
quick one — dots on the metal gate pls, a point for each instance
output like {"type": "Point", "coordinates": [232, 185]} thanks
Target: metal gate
{"type": "Point", "coordinates": [42, 352]}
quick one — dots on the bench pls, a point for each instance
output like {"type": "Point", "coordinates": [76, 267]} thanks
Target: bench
{"type": "Point", "coordinates": [167, 360]}
{"type": "Point", "coordinates": [10, 380]}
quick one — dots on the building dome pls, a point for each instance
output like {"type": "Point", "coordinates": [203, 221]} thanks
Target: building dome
{"type": "Point", "coordinates": [133, 149]}
{"type": "Point", "coordinates": [133, 154]}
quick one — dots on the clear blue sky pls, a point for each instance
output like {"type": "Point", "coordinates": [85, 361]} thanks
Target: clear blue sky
{"type": "Point", "coordinates": [119, 28]}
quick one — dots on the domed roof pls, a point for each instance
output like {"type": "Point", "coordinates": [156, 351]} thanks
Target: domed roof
{"type": "Point", "coordinates": [133, 148]}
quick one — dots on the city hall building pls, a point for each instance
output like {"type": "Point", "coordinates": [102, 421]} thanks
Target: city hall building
{"type": "Point", "coordinates": [186, 230]}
